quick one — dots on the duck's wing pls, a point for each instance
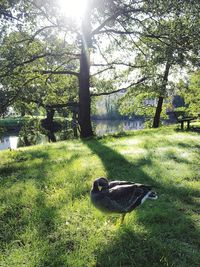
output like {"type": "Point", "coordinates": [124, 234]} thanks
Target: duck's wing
{"type": "Point", "coordinates": [115, 183]}
{"type": "Point", "coordinates": [127, 196]}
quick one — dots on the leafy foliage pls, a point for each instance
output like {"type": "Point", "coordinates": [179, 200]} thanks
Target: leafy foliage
{"type": "Point", "coordinates": [27, 84]}
{"type": "Point", "coordinates": [192, 96]}
{"type": "Point", "coordinates": [121, 37]}
{"type": "Point", "coordinates": [191, 93]}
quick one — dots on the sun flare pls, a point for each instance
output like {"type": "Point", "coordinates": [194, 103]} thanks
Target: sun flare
{"type": "Point", "coordinates": [73, 8]}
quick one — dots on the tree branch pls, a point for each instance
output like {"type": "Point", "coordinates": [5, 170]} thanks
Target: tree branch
{"type": "Point", "coordinates": [118, 64]}
{"type": "Point", "coordinates": [58, 72]}
{"type": "Point", "coordinates": [8, 14]}
{"type": "Point", "coordinates": [114, 16]}
{"type": "Point", "coordinates": [101, 71]}
{"type": "Point", "coordinates": [119, 32]}
{"type": "Point", "coordinates": [68, 104]}
{"type": "Point", "coordinates": [35, 57]}
{"type": "Point", "coordinates": [31, 38]}
{"type": "Point", "coordinates": [121, 89]}
{"type": "Point", "coordinates": [63, 105]}
{"type": "Point", "coordinates": [9, 101]}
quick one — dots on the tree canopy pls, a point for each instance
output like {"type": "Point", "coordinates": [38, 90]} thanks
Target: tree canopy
{"type": "Point", "coordinates": [115, 45]}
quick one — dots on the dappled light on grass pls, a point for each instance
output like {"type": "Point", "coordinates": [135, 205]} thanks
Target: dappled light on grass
{"type": "Point", "coordinates": [48, 219]}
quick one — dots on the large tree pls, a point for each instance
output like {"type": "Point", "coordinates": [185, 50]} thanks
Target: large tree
{"type": "Point", "coordinates": [104, 39]}
{"type": "Point", "coordinates": [167, 45]}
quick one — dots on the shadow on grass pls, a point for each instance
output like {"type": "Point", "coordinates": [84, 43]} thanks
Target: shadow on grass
{"type": "Point", "coordinates": [194, 129]}
{"type": "Point", "coordinates": [168, 236]}
{"type": "Point", "coordinates": [161, 233]}
{"type": "Point", "coordinates": [53, 245]}
{"type": "Point", "coordinates": [28, 210]}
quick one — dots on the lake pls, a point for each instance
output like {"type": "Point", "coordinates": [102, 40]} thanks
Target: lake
{"type": "Point", "coordinates": [7, 142]}
{"type": "Point", "coordinates": [12, 141]}
{"type": "Point", "coordinates": [113, 126]}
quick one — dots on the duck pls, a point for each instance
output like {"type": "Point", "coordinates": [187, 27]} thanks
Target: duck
{"type": "Point", "coordinates": [119, 196]}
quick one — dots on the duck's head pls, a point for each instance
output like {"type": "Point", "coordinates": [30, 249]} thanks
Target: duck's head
{"type": "Point", "coordinates": [100, 183]}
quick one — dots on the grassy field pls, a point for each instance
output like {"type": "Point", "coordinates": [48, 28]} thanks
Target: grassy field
{"type": "Point", "coordinates": [47, 219]}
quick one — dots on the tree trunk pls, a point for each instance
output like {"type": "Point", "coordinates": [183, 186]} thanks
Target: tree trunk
{"type": "Point", "coordinates": [74, 124]}
{"type": "Point", "coordinates": [84, 79]}
{"type": "Point", "coordinates": [23, 112]}
{"type": "Point", "coordinates": [49, 124]}
{"type": "Point", "coordinates": [156, 119]}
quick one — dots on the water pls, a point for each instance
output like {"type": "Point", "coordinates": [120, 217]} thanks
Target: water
{"type": "Point", "coordinates": [101, 127]}
{"type": "Point", "coordinates": [13, 142]}
{"type": "Point", "coordinates": [114, 126]}
{"type": "Point", "coordinates": [9, 142]}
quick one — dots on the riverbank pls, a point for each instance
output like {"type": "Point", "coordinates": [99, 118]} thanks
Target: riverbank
{"type": "Point", "coordinates": [9, 136]}
{"type": "Point", "coordinates": [47, 218]}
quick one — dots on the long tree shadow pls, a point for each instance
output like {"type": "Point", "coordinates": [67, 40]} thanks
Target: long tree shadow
{"type": "Point", "coordinates": [28, 210]}
{"type": "Point", "coordinates": [161, 241]}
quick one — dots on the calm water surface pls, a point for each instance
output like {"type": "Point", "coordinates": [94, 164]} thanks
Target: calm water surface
{"type": "Point", "coordinates": [101, 127]}
{"type": "Point", "coordinates": [107, 126]}
{"type": "Point", "coordinates": [7, 142]}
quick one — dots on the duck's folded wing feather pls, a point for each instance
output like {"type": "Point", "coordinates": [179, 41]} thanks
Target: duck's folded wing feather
{"type": "Point", "coordinates": [114, 183]}
{"type": "Point", "coordinates": [127, 196]}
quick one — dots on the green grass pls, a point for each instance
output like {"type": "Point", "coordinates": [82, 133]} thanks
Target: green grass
{"type": "Point", "coordinates": [47, 218]}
